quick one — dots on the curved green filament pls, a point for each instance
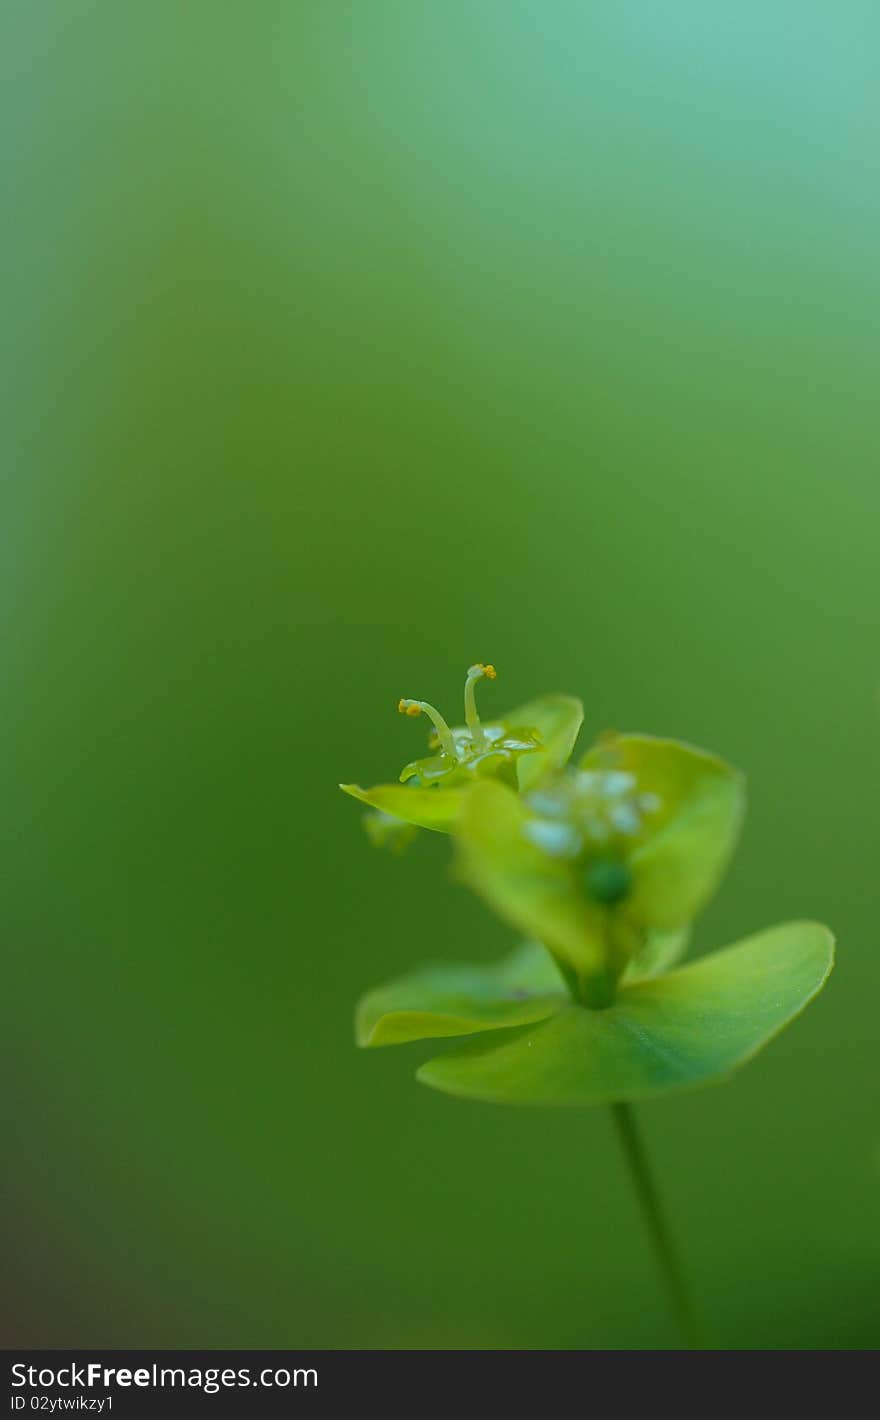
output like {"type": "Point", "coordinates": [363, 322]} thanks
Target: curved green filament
{"type": "Point", "coordinates": [444, 734]}
{"type": "Point", "coordinates": [472, 719]}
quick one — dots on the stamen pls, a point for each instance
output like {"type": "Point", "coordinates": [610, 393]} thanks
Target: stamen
{"type": "Point", "coordinates": [472, 719]}
{"type": "Point", "coordinates": [444, 734]}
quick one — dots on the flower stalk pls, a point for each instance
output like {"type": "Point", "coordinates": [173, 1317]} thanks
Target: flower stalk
{"type": "Point", "coordinates": [680, 1296]}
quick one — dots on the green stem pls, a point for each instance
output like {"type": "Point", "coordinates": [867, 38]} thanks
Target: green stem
{"type": "Point", "coordinates": [643, 1180]}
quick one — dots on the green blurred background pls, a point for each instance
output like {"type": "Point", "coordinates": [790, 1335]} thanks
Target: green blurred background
{"type": "Point", "coordinates": [347, 344]}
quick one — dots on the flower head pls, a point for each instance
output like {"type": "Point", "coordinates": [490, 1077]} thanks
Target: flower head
{"type": "Point", "coordinates": [469, 749]}
{"type": "Point", "coordinates": [518, 749]}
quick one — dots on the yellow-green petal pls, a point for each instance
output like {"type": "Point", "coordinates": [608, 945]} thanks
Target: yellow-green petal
{"type": "Point", "coordinates": [533, 891]}
{"type": "Point", "coordinates": [426, 808]}
{"type": "Point", "coordinates": [692, 1027]}
{"type": "Point", "coordinates": [661, 952]}
{"type": "Point", "coordinates": [685, 841]}
{"type": "Point", "coordinates": [456, 999]}
{"type": "Point", "coordinates": [557, 720]}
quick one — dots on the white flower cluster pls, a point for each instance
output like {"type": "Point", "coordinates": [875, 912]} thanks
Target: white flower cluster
{"type": "Point", "coordinates": [588, 808]}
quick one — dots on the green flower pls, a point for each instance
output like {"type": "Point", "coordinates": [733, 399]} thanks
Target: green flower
{"type": "Point", "coordinates": [607, 863]}
{"type": "Point", "coordinates": [603, 868]}
{"type": "Point", "coordinates": [470, 751]}
{"type": "Point", "coordinates": [518, 749]}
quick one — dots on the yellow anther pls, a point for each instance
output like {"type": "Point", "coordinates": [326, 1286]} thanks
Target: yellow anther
{"type": "Point", "coordinates": [409, 707]}
{"type": "Point", "coordinates": [490, 672]}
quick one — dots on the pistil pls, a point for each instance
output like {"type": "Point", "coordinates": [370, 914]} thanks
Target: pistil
{"type": "Point", "coordinates": [472, 719]}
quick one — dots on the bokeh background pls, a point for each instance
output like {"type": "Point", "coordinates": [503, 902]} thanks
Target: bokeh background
{"type": "Point", "coordinates": [347, 344]}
